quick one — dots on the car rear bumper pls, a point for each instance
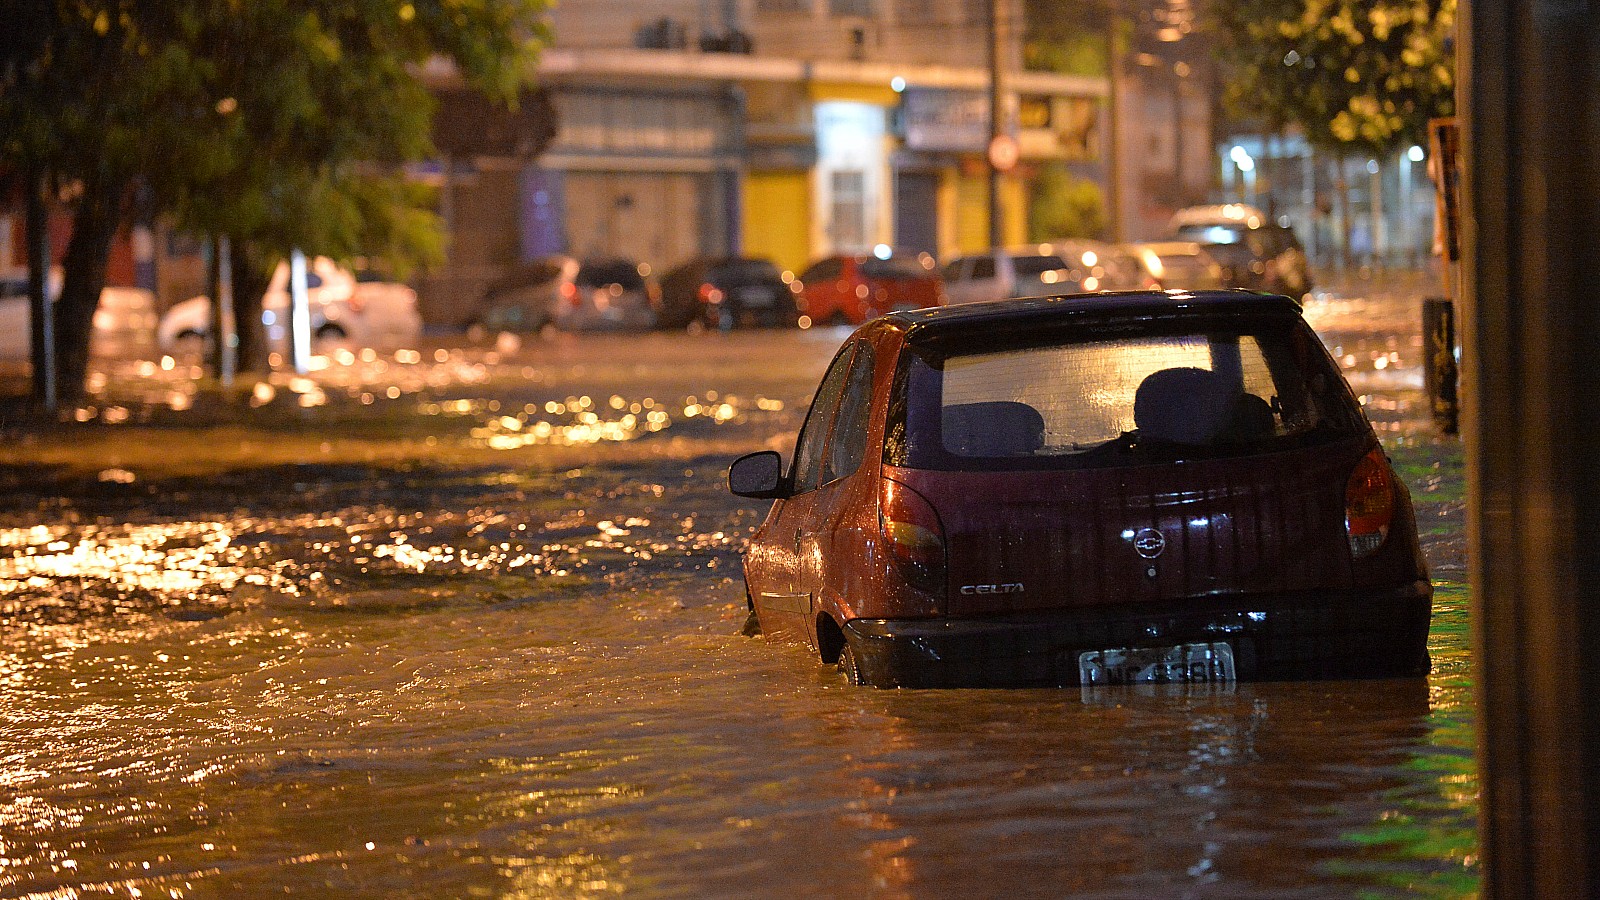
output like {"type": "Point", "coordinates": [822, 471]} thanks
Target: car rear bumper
{"type": "Point", "coordinates": [1364, 634]}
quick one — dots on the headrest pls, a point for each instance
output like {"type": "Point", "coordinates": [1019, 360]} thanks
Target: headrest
{"type": "Point", "coordinates": [993, 428]}
{"type": "Point", "coordinates": [1182, 405]}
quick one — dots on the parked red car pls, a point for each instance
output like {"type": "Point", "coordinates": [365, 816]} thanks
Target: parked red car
{"type": "Point", "coordinates": [842, 290]}
{"type": "Point", "coordinates": [1091, 489]}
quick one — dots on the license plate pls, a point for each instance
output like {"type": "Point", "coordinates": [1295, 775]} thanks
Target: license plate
{"type": "Point", "coordinates": [757, 296]}
{"type": "Point", "coordinates": [1184, 664]}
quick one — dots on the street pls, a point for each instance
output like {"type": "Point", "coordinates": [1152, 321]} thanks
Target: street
{"type": "Point", "coordinates": [464, 620]}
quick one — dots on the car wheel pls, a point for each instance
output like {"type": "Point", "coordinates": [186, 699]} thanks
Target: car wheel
{"type": "Point", "coordinates": [326, 338]}
{"type": "Point", "coordinates": [849, 667]}
{"type": "Point", "coordinates": [189, 346]}
{"type": "Point", "coordinates": [838, 318]}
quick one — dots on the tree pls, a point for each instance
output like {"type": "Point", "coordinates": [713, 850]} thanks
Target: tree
{"type": "Point", "coordinates": [1355, 76]}
{"type": "Point", "coordinates": [1065, 206]}
{"type": "Point", "coordinates": [281, 123]}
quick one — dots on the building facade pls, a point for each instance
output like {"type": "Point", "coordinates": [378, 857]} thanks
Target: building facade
{"type": "Point", "coordinates": [790, 129]}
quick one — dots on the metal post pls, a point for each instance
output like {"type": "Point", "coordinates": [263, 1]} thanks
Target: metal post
{"type": "Point", "coordinates": [996, 120]}
{"type": "Point", "coordinates": [299, 314]}
{"type": "Point", "coordinates": [227, 329]}
{"type": "Point", "coordinates": [1116, 170]}
{"type": "Point", "coordinates": [41, 305]}
{"type": "Point", "coordinates": [1531, 420]}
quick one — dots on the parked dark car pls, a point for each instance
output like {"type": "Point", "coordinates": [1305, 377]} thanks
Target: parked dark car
{"type": "Point", "coordinates": [724, 293]}
{"type": "Point", "coordinates": [1091, 489]}
{"type": "Point", "coordinates": [841, 290]}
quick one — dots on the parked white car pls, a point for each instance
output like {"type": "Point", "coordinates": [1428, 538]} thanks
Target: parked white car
{"type": "Point", "coordinates": [1037, 271]}
{"type": "Point", "coordinates": [345, 308]}
{"type": "Point", "coordinates": [124, 323]}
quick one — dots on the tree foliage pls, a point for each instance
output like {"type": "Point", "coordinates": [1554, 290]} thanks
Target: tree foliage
{"type": "Point", "coordinates": [1354, 75]}
{"type": "Point", "coordinates": [281, 123]}
{"type": "Point", "coordinates": [1065, 206]}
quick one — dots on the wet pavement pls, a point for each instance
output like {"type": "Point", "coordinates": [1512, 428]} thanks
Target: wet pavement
{"type": "Point", "coordinates": [463, 621]}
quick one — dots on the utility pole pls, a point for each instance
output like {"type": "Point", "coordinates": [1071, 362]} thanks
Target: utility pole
{"type": "Point", "coordinates": [1531, 430]}
{"type": "Point", "coordinates": [1116, 173]}
{"type": "Point", "coordinates": [41, 306]}
{"type": "Point", "coordinates": [997, 129]}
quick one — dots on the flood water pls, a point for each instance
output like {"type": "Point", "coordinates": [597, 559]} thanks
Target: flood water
{"type": "Point", "coordinates": [512, 667]}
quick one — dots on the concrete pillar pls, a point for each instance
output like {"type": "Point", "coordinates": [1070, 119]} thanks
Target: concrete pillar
{"type": "Point", "coordinates": [1531, 386]}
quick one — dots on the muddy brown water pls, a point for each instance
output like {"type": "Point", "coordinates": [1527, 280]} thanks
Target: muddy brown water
{"type": "Point", "coordinates": [516, 676]}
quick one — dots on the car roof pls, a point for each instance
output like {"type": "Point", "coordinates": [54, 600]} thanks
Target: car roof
{"type": "Point", "coordinates": [1218, 214]}
{"type": "Point", "coordinates": [1169, 248]}
{"type": "Point", "coordinates": [936, 322]}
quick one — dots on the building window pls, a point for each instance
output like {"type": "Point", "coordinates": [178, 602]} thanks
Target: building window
{"type": "Point", "coordinates": [783, 6]}
{"type": "Point", "coordinates": [848, 230]}
{"type": "Point", "coordinates": [850, 7]}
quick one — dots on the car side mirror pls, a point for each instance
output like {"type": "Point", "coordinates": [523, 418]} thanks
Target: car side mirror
{"type": "Point", "coordinates": [758, 475]}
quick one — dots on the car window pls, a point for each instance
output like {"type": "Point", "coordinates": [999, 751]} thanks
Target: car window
{"type": "Point", "coordinates": [1104, 400]}
{"type": "Point", "coordinates": [824, 270]}
{"type": "Point", "coordinates": [1029, 266]}
{"type": "Point", "coordinates": [813, 439]}
{"type": "Point", "coordinates": [619, 272]}
{"type": "Point", "coordinates": [848, 441]}
{"type": "Point", "coordinates": [952, 269]}
{"type": "Point", "coordinates": [1212, 234]}
{"type": "Point", "coordinates": [982, 267]}
{"type": "Point", "coordinates": [895, 268]}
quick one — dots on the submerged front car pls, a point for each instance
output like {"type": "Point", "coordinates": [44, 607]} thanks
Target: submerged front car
{"type": "Point", "coordinates": [1127, 488]}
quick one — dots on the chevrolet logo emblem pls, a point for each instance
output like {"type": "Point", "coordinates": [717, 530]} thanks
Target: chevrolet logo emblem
{"type": "Point", "coordinates": [1149, 543]}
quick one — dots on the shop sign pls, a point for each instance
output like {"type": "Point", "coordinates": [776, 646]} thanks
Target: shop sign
{"type": "Point", "coordinates": [945, 120]}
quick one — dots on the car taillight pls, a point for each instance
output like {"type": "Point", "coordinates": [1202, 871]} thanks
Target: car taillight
{"type": "Point", "coordinates": [569, 292]}
{"type": "Point", "coordinates": [913, 536]}
{"type": "Point", "coordinates": [709, 294]}
{"type": "Point", "coordinates": [1369, 504]}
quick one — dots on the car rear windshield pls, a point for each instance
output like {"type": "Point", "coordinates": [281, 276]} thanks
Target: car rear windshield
{"type": "Point", "coordinates": [1028, 266]}
{"type": "Point", "coordinates": [599, 274]}
{"type": "Point", "coordinates": [1212, 233]}
{"type": "Point", "coordinates": [1139, 393]}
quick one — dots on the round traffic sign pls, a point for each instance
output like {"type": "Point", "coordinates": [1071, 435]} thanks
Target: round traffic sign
{"type": "Point", "coordinates": [1003, 152]}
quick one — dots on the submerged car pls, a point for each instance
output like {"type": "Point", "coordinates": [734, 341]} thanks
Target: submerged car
{"type": "Point", "coordinates": [1086, 490]}
{"type": "Point", "coordinates": [1034, 271]}
{"type": "Point", "coordinates": [1253, 252]}
{"type": "Point", "coordinates": [723, 293]}
{"type": "Point", "coordinates": [609, 295]}
{"type": "Point", "coordinates": [1176, 266]}
{"type": "Point", "coordinates": [849, 290]}
{"type": "Point", "coordinates": [526, 299]}
{"type": "Point", "coordinates": [356, 307]}
{"type": "Point", "coordinates": [124, 323]}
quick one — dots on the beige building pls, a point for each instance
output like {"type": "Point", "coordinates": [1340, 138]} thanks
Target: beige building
{"type": "Point", "coordinates": [791, 129]}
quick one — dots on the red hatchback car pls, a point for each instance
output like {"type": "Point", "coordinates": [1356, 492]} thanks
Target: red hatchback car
{"type": "Point", "coordinates": [1092, 489]}
{"type": "Point", "coordinates": [849, 290]}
